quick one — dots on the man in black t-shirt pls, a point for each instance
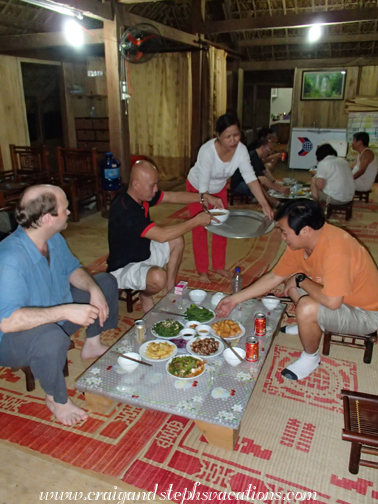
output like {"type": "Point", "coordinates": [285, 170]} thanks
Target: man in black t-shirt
{"type": "Point", "coordinates": [138, 248]}
{"type": "Point", "coordinates": [271, 160]}
{"type": "Point", "coordinates": [263, 150]}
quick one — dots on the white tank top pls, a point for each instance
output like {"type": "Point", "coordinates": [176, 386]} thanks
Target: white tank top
{"type": "Point", "coordinates": [366, 181]}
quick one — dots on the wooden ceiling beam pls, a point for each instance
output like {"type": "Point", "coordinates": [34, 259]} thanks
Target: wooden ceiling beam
{"type": "Point", "coordinates": [90, 8]}
{"type": "Point", "coordinates": [41, 40]}
{"type": "Point", "coordinates": [129, 19]}
{"type": "Point", "coordinates": [23, 23]}
{"type": "Point", "coordinates": [308, 63]}
{"type": "Point", "coordinates": [359, 37]}
{"type": "Point", "coordinates": [290, 20]}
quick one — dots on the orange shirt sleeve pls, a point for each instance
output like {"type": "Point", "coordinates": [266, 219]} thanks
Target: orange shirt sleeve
{"type": "Point", "coordinates": [288, 264]}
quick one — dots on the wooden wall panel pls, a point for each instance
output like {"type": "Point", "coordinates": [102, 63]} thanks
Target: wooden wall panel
{"type": "Point", "coordinates": [322, 113]}
{"type": "Point", "coordinates": [13, 124]}
{"type": "Point", "coordinates": [80, 105]}
{"type": "Point", "coordinates": [368, 85]}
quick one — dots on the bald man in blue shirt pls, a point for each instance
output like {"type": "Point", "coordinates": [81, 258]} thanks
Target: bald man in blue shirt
{"type": "Point", "coordinates": [46, 296]}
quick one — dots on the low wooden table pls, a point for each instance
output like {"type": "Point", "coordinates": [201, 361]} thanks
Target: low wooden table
{"type": "Point", "coordinates": [216, 400]}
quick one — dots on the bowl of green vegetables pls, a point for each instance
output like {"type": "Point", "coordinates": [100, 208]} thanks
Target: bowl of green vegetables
{"type": "Point", "coordinates": [199, 313]}
{"type": "Point", "coordinates": [167, 329]}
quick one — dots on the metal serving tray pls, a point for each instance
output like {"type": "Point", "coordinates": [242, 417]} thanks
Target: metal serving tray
{"type": "Point", "coordinates": [243, 224]}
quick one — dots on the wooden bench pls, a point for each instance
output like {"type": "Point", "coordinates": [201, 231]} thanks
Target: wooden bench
{"type": "Point", "coordinates": [346, 209]}
{"type": "Point", "coordinates": [362, 195]}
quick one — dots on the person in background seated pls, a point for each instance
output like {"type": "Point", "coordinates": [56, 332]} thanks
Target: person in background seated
{"type": "Point", "coordinates": [333, 181]}
{"type": "Point", "coordinates": [328, 274]}
{"type": "Point", "coordinates": [217, 160]}
{"type": "Point", "coordinates": [138, 248]}
{"type": "Point", "coordinates": [257, 157]}
{"type": "Point", "coordinates": [46, 296]}
{"type": "Point", "coordinates": [271, 160]}
{"type": "Point", "coordinates": [365, 167]}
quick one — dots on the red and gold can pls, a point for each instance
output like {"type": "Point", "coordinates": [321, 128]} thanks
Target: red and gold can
{"type": "Point", "coordinates": [260, 324]}
{"type": "Point", "coordinates": [284, 156]}
{"type": "Point", "coordinates": [252, 349]}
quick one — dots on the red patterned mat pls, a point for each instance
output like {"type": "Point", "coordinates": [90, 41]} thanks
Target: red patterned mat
{"type": "Point", "coordinates": [290, 439]}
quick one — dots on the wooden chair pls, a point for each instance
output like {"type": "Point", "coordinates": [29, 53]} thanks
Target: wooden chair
{"type": "Point", "coordinates": [346, 209]}
{"type": "Point", "coordinates": [29, 377]}
{"type": "Point", "coordinates": [344, 339]}
{"type": "Point", "coordinates": [130, 296]}
{"type": "Point", "coordinates": [360, 427]}
{"type": "Point", "coordinates": [243, 198]}
{"type": "Point", "coordinates": [78, 176]}
{"type": "Point", "coordinates": [30, 164]}
{"type": "Point", "coordinates": [362, 195]}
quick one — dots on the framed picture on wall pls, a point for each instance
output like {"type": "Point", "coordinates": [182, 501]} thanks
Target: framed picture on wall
{"type": "Point", "coordinates": [323, 85]}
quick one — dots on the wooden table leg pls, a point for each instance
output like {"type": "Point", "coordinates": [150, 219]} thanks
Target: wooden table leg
{"type": "Point", "coordinates": [216, 435]}
{"type": "Point", "coordinates": [99, 404]}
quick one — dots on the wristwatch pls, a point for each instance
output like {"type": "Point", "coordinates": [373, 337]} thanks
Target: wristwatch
{"type": "Point", "coordinates": [299, 277]}
{"type": "Point", "coordinates": [202, 198]}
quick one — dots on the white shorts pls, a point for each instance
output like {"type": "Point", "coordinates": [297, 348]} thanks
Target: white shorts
{"type": "Point", "coordinates": [133, 276]}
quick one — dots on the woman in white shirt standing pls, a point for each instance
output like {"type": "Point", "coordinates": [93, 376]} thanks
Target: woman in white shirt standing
{"type": "Point", "coordinates": [217, 161]}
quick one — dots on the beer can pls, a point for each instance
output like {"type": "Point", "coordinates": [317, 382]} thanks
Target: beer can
{"type": "Point", "coordinates": [284, 156]}
{"type": "Point", "coordinates": [140, 329]}
{"type": "Point", "coordinates": [252, 349]}
{"type": "Point", "coordinates": [260, 324]}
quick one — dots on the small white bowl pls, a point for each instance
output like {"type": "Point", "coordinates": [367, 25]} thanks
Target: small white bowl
{"type": "Point", "coordinates": [230, 358]}
{"type": "Point", "coordinates": [217, 297]}
{"type": "Point", "coordinates": [221, 214]}
{"type": "Point", "coordinates": [127, 364]}
{"type": "Point", "coordinates": [203, 330]}
{"type": "Point", "coordinates": [187, 333]}
{"type": "Point", "coordinates": [192, 324]}
{"type": "Point", "coordinates": [270, 302]}
{"type": "Point", "coordinates": [197, 296]}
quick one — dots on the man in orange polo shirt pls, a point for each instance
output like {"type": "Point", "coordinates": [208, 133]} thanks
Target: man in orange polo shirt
{"type": "Point", "coordinates": [328, 274]}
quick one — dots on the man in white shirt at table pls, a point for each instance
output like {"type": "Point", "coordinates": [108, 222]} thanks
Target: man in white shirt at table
{"type": "Point", "coordinates": [333, 181]}
{"type": "Point", "coordinates": [365, 167]}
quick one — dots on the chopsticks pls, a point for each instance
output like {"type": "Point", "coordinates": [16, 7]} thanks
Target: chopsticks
{"type": "Point", "coordinates": [232, 349]}
{"type": "Point", "coordinates": [130, 358]}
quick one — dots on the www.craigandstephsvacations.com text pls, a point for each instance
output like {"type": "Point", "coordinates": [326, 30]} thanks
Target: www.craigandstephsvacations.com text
{"type": "Point", "coordinates": [194, 494]}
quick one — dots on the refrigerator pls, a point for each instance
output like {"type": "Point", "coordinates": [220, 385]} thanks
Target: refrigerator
{"type": "Point", "coordinates": [305, 141]}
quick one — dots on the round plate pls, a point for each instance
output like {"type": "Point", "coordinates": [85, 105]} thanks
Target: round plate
{"type": "Point", "coordinates": [205, 321]}
{"type": "Point", "coordinates": [178, 377]}
{"type": "Point", "coordinates": [243, 224]}
{"type": "Point", "coordinates": [215, 354]}
{"type": "Point", "coordinates": [166, 337]}
{"type": "Point", "coordinates": [231, 337]}
{"type": "Point", "coordinates": [142, 351]}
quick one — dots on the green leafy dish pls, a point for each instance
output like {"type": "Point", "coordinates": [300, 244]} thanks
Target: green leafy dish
{"type": "Point", "coordinates": [198, 313]}
{"type": "Point", "coordinates": [167, 328]}
{"type": "Point", "coordinates": [185, 367]}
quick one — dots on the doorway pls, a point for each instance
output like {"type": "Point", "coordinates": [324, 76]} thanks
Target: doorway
{"type": "Point", "coordinates": [42, 84]}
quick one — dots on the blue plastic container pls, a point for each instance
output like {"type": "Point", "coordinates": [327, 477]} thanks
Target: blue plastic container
{"type": "Point", "coordinates": [110, 173]}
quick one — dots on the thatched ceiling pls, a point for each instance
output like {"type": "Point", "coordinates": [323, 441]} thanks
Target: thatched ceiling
{"type": "Point", "coordinates": [264, 36]}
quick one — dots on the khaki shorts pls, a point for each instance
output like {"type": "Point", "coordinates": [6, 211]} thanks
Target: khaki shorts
{"type": "Point", "coordinates": [133, 276]}
{"type": "Point", "coordinates": [347, 320]}
{"type": "Point", "coordinates": [328, 199]}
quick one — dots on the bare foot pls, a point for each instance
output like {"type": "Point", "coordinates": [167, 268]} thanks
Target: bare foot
{"type": "Point", "coordinates": [68, 413]}
{"type": "Point", "coordinates": [93, 348]}
{"type": "Point", "coordinates": [204, 277]}
{"type": "Point", "coordinates": [224, 273]}
{"type": "Point", "coordinates": [147, 302]}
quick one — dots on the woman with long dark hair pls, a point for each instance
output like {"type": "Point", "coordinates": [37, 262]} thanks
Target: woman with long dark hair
{"type": "Point", "coordinates": [217, 160]}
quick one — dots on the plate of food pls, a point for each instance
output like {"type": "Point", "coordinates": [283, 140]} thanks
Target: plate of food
{"type": "Point", "coordinates": [167, 329]}
{"type": "Point", "coordinates": [227, 328]}
{"type": "Point", "coordinates": [185, 367]}
{"type": "Point", "coordinates": [199, 314]}
{"type": "Point", "coordinates": [205, 347]}
{"type": "Point", "coordinates": [157, 350]}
